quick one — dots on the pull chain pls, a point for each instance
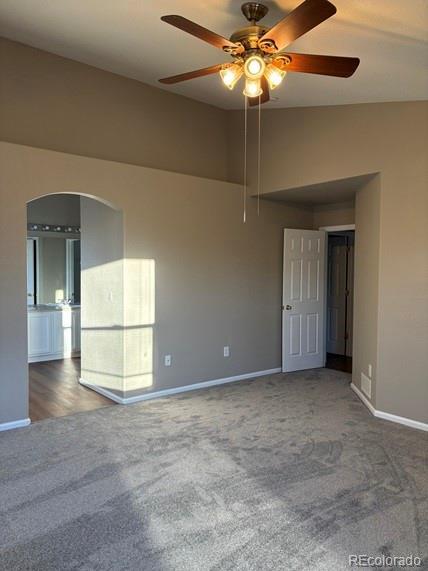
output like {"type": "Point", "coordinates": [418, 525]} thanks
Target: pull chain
{"type": "Point", "coordinates": [258, 158]}
{"type": "Point", "coordinates": [244, 189]}
{"type": "Point", "coordinates": [245, 162]}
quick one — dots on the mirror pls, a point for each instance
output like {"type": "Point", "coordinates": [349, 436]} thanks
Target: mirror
{"type": "Point", "coordinates": [53, 270]}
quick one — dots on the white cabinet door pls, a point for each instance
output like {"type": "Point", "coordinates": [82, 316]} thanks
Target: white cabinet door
{"type": "Point", "coordinates": [76, 330]}
{"type": "Point", "coordinates": [39, 334]}
{"type": "Point", "coordinates": [303, 300]}
{"type": "Point", "coordinates": [62, 332]}
{"type": "Point", "coordinates": [53, 334]}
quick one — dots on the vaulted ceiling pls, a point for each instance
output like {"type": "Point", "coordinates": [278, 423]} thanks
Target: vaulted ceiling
{"type": "Point", "coordinates": [127, 37]}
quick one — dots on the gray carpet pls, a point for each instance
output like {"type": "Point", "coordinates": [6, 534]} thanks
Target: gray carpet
{"type": "Point", "coordinates": [284, 472]}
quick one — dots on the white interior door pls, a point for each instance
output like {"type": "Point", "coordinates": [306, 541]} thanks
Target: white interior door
{"type": "Point", "coordinates": [303, 300]}
{"type": "Point", "coordinates": [31, 283]}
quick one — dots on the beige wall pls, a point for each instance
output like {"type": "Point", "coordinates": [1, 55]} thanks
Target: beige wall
{"type": "Point", "coordinates": [366, 284]}
{"type": "Point", "coordinates": [211, 280]}
{"type": "Point", "coordinates": [48, 101]}
{"type": "Point", "coordinates": [56, 103]}
{"type": "Point", "coordinates": [334, 214]}
{"type": "Point", "coordinates": [102, 302]}
{"type": "Point", "coordinates": [330, 143]}
{"type": "Point", "coordinates": [62, 209]}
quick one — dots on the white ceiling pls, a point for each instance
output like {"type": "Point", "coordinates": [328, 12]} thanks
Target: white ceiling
{"type": "Point", "coordinates": [127, 37]}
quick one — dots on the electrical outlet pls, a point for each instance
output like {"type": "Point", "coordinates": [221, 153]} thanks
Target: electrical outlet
{"type": "Point", "coordinates": [168, 360]}
{"type": "Point", "coordinates": [226, 351]}
{"type": "Point", "coordinates": [370, 371]}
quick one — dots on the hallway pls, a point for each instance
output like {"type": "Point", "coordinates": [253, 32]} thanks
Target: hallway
{"type": "Point", "coordinates": [55, 390]}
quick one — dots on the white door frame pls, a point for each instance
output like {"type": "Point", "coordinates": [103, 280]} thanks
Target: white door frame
{"type": "Point", "coordinates": [327, 230]}
{"type": "Point", "coordinates": [37, 280]}
{"type": "Point", "coordinates": [69, 265]}
{"type": "Point", "coordinates": [342, 228]}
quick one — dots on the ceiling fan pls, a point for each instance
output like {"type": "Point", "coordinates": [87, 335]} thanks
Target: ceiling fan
{"type": "Point", "coordinates": [257, 51]}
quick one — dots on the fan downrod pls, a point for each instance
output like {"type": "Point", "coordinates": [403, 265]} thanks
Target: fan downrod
{"type": "Point", "coordinates": [254, 11]}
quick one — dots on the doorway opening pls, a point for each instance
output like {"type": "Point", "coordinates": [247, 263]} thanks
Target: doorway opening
{"type": "Point", "coordinates": [54, 305]}
{"type": "Point", "coordinates": [340, 295]}
{"type": "Point", "coordinates": [318, 288]}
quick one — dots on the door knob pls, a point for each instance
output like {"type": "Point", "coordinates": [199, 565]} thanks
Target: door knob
{"type": "Point", "coordinates": [288, 307]}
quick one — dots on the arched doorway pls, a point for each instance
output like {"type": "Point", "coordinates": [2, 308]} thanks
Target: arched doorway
{"type": "Point", "coordinates": [74, 292]}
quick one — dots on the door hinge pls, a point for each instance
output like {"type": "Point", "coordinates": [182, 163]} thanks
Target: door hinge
{"type": "Point", "coordinates": [346, 335]}
{"type": "Point", "coordinates": [347, 291]}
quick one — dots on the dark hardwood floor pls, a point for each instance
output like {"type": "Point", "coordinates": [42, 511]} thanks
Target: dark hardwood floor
{"type": "Point", "coordinates": [339, 362]}
{"type": "Point", "coordinates": [55, 390]}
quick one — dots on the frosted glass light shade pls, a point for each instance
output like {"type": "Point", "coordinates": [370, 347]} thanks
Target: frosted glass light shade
{"type": "Point", "coordinates": [254, 67]}
{"type": "Point", "coordinates": [274, 75]}
{"type": "Point", "coordinates": [231, 74]}
{"type": "Point", "coordinates": [252, 88]}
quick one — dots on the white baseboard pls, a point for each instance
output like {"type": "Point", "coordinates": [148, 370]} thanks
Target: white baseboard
{"type": "Point", "coordinates": [176, 390]}
{"type": "Point", "coordinates": [402, 420]}
{"type": "Point", "coordinates": [388, 416]}
{"type": "Point", "coordinates": [53, 357]}
{"type": "Point", "coordinates": [364, 399]}
{"type": "Point", "coordinates": [15, 424]}
{"type": "Point", "coordinates": [105, 392]}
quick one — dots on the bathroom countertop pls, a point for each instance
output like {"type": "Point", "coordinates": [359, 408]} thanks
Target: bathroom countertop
{"type": "Point", "coordinates": [53, 307]}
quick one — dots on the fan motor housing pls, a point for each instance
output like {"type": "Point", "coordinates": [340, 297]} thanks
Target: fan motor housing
{"type": "Point", "coordinates": [248, 37]}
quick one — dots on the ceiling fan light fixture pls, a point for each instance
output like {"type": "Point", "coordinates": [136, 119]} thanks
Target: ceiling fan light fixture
{"type": "Point", "coordinates": [257, 50]}
{"type": "Point", "coordinates": [274, 75]}
{"type": "Point", "coordinates": [252, 88]}
{"type": "Point", "coordinates": [254, 67]}
{"type": "Point", "coordinates": [231, 74]}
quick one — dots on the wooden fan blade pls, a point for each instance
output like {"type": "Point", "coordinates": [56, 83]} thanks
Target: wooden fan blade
{"type": "Point", "coordinates": [264, 98]}
{"type": "Point", "coordinates": [201, 32]}
{"type": "Point", "coordinates": [323, 65]}
{"type": "Point", "coordinates": [193, 74]}
{"type": "Point", "coordinates": [305, 17]}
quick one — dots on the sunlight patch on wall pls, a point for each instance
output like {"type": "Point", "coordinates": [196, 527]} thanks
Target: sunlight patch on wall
{"type": "Point", "coordinates": [139, 280]}
{"type": "Point", "coordinates": [139, 296]}
{"type": "Point", "coordinates": [102, 332]}
{"type": "Point", "coordinates": [118, 316]}
{"type": "Point", "coordinates": [102, 294]}
{"type": "Point", "coordinates": [138, 358]}
{"type": "Point", "coordinates": [102, 357]}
